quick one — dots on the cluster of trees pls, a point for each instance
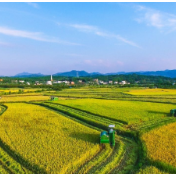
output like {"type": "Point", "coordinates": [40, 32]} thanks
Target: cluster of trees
{"type": "Point", "coordinates": [134, 79]}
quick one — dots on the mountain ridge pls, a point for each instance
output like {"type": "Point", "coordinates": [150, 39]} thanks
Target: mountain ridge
{"type": "Point", "coordinates": [82, 73]}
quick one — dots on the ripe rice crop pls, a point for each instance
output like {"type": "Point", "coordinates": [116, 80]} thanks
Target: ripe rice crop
{"type": "Point", "coordinates": [23, 98]}
{"type": "Point", "coordinates": [2, 170]}
{"type": "Point", "coordinates": [129, 111]}
{"type": "Point", "coordinates": [150, 170]}
{"type": "Point", "coordinates": [152, 92]}
{"type": "Point", "coordinates": [13, 90]}
{"type": "Point", "coordinates": [47, 140]}
{"type": "Point", "coordinates": [160, 144]}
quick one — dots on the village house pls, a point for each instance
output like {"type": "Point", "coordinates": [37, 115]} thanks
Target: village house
{"type": "Point", "coordinates": [66, 82]}
{"type": "Point", "coordinates": [101, 82]}
{"type": "Point", "coordinates": [122, 82]}
{"type": "Point", "coordinates": [57, 82]}
{"type": "Point", "coordinates": [49, 83]}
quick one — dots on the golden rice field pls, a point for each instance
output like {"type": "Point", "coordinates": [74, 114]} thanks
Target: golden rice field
{"type": "Point", "coordinates": [93, 89]}
{"type": "Point", "coordinates": [151, 170]}
{"type": "Point", "coordinates": [129, 111]}
{"type": "Point", "coordinates": [152, 92]}
{"type": "Point", "coordinates": [161, 143]}
{"type": "Point", "coordinates": [23, 98]}
{"type": "Point", "coordinates": [15, 90]}
{"type": "Point", "coordinates": [46, 139]}
{"type": "Point", "coordinates": [60, 139]}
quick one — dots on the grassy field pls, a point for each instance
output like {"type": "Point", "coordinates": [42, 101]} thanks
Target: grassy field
{"type": "Point", "coordinates": [41, 136]}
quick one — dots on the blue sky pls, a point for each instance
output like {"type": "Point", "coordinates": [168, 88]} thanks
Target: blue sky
{"type": "Point", "coordinates": [102, 37]}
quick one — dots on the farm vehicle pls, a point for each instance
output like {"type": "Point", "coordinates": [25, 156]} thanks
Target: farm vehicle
{"type": "Point", "coordinates": [173, 112]}
{"type": "Point", "coordinates": [108, 137]}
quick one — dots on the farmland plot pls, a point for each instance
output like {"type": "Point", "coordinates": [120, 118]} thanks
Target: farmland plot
{"type": "Point", "coordinates": [45, 141]}
{"type": "Point", "coordinates": [23, 98]}
{"type": "Point", "coordinates": [152, 92]}
{"type": "Point", "coordinates": [160, 144]}
{"type": "Point", "coordinates": [132, 112]}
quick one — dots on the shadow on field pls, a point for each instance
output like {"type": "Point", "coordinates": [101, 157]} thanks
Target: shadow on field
{"type": "Point", "coordinates": [87, 137]}
{"type": "Point", "coordinates": [18, 158]}
{"type": "Point", "coordinates": [162, 113]}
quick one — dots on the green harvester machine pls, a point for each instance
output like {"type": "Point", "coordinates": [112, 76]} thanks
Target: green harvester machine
{"type": "Point", "coordinates": [108, 137]}
{"type": "Point", "coordinates": [173, 112]}
{"type": "Point", "coordinates": [54, 98]}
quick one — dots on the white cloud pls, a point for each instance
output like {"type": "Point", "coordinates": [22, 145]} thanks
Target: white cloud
{"type": "Point", "coordinates": [161, 20]}
{"type": "Point", "coordinates": [95, 30]}
{"type": "Point", "coordinates": [35, 5]}
{"type": "Point", "coordinates": [84, 28]}
{"type": "Point", "coordinates": [32, 35]}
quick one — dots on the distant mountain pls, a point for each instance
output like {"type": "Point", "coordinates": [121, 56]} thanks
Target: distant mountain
{"type": "Point", "coordinates": [75, 73]}
{"type": "Point", "coordinates": [118, 73]}
{"type": "Point", "coordinates": [27, 75]}
{"type": "Point", "coordinates": [166, 73]}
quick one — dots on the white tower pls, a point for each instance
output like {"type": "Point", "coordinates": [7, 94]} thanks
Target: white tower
{"type": "Point", "coordinates": [51, 78]}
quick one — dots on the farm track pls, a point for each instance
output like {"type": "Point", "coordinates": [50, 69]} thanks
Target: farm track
{"type": "Point", "coordinates": [78, 171]}
{"type": "Point", "coordinates": [124, 164]}
{"type": "Point", "coordinates": [95, 125]}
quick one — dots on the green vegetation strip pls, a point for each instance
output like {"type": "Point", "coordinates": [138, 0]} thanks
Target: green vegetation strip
{"type": "Point", "coordinates": [10, 164]}
{"type": "Point", "coordinates": [3, 170]}
{"type": "Point", "coordinates": [3, 108]}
